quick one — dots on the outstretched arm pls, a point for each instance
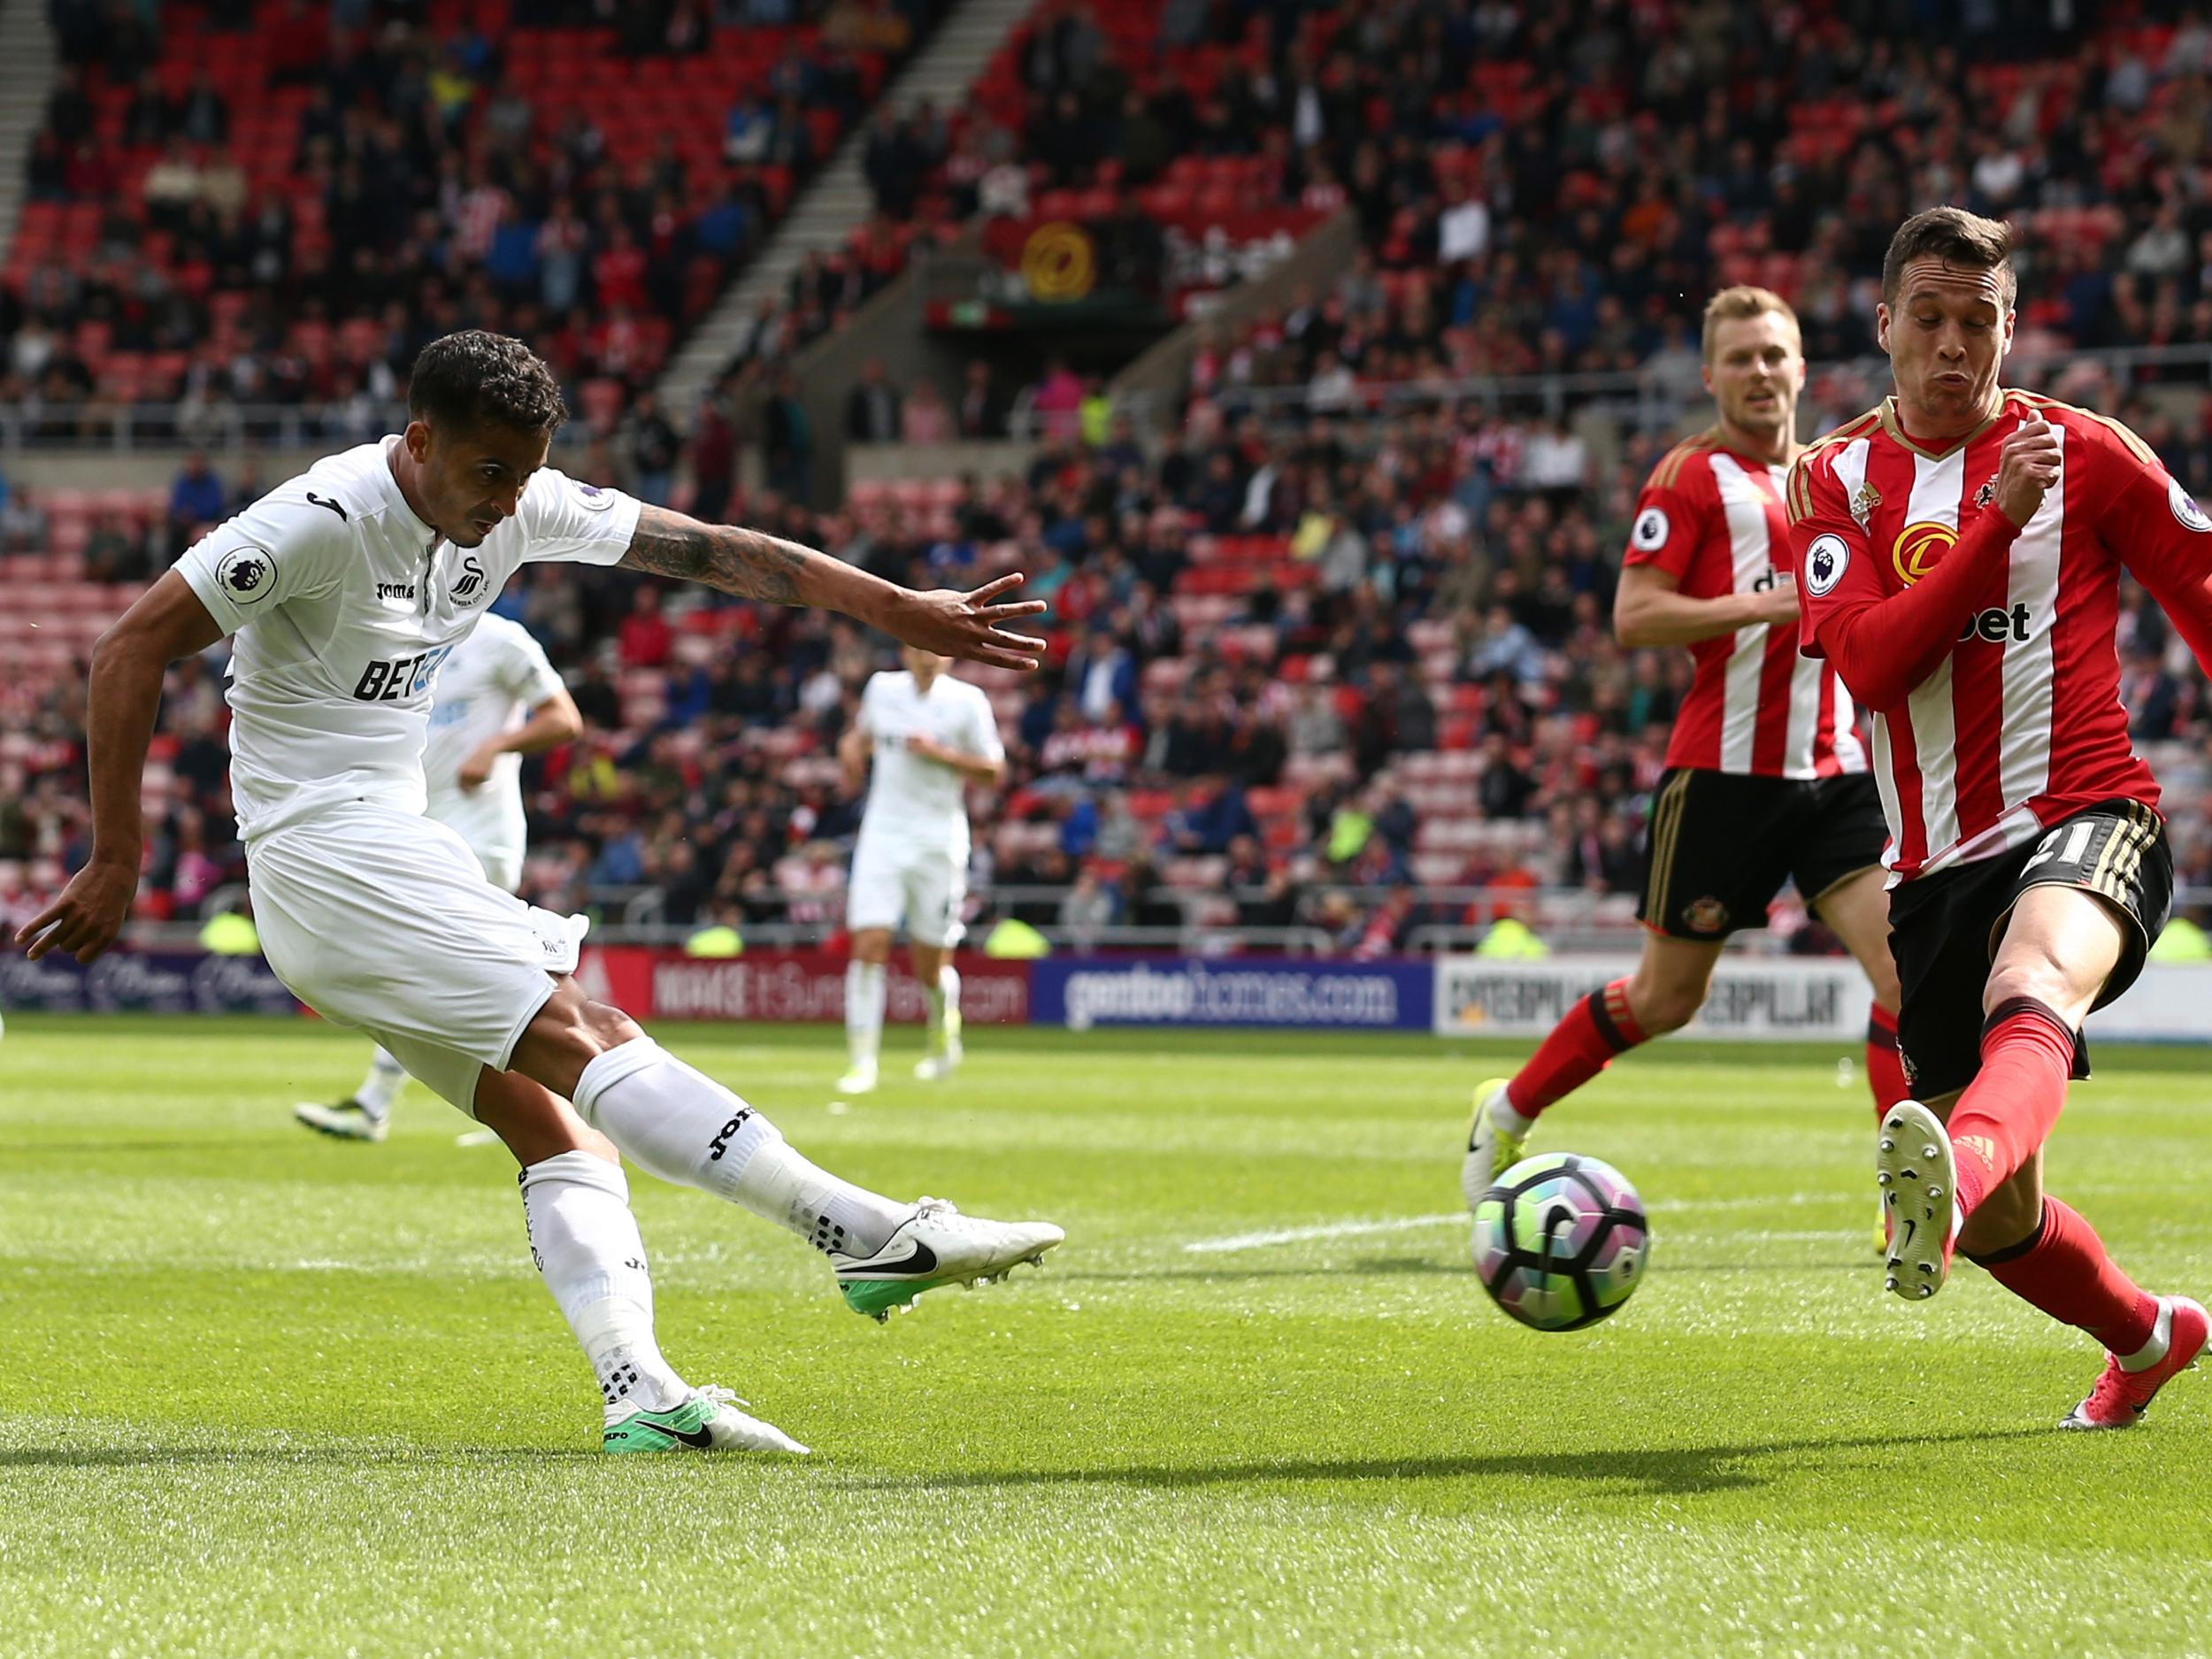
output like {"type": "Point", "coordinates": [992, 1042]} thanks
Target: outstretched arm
{"type": "Point", "coordinates": [552, 722]}
{"type": "Point", "coordinates": [755, 565]}
{"type": "Point", "coordinates": [127, 665]}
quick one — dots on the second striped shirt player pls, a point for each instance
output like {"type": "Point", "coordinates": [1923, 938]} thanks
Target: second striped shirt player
{"type": "Point", "coordinates": [1766, 778]}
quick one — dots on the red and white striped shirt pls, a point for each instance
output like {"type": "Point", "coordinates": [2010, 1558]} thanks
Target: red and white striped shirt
{"type": "Point", "coordinates": [2019, 723]}
{"type": "Point", "coordinates": [1713, 519]}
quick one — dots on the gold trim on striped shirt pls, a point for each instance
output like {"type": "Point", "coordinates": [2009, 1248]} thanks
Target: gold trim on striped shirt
{"type": "Point", "coordinates": [2142, 451]}
{"type": "Point", "coordinates": [1895, 427]}
{"type": "Point", "coordinates": [1670, 463]}
{"type": "Point", "coordinates": [1798, 499]}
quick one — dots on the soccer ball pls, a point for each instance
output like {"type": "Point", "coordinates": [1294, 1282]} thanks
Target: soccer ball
{"type": "Point", "coordinates": [1560, 1240]}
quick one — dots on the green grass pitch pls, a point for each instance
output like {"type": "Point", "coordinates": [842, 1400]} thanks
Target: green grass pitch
{"type": "Point", "coordinates": [273, 1394]}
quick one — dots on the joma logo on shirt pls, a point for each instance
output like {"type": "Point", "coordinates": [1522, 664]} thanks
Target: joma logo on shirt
{"type": "Point", "coordinates": [395, 590]}
{"type": "Point", "coordinates": [408, 677]}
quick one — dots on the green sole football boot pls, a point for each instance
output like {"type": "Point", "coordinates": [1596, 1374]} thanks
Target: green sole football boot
{"type": "Point", "coordinates": [936, 1245]}
{"type": "Point", "coordinates": [706, 1420]}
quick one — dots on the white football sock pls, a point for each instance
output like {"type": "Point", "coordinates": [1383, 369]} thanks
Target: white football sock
{"type": "Point", "coordinates": [866, 993]}
{"type": "Point", "coordinates": [685, 1127]}
{"type": "Point", "coordinates": [1503, 1114]}
{"type": "Point", "coordinates": [944, 997]}
{"type": "Point", "coordinates": [387, 1076]}
{"type": "Point", "coordinates": [585, 1243]}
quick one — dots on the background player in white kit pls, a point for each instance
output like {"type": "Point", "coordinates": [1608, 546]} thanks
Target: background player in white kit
{"type": "Point", "coordinates": [931, 735]}
{"type": "Point", "coordinates": [347, 589]}
{"type": "Point", "coordinates": [498, 700]}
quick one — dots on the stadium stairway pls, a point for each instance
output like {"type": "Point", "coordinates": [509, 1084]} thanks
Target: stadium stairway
{"type": "Point", "coordinates": [26, 76]}
{"type": "Point", "coordinates": [838, 201]}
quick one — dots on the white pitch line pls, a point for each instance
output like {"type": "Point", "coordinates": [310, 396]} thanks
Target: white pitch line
{"type": "Point", "coordinates": [1413, 1224]}
{"type": "Point", "coordinates": [1330, 1230]}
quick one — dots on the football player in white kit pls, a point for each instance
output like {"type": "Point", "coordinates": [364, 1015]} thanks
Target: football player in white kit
{"type": "Point", "coordinates": [498, 699]}
{"type": "Point", "coordinates": [931, 735]}
{"type": "Point", "coordinates": [347, 589]}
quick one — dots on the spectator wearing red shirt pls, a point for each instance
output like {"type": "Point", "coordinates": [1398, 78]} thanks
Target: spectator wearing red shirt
{"type": "Point", "coordinates": [645, 640]}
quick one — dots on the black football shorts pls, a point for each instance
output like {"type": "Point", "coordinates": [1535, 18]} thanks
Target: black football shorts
{"type": "Point", "coordinates": [1945, 929]}
{"type": "Point", "coordinates": [1719, 845]}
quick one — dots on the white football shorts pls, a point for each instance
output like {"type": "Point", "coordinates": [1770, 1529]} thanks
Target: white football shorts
{"type": "Point", "coordinates": [382, 920]}
{"type": "Point", "coordinates": [923, 887]}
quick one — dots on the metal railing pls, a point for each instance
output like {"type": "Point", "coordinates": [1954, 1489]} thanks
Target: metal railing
{"type": "Point", "coordinates": [1638, 399]}
{"type": "Point", "coordinates": [1646, 401]}
{"type": "Point", "coordinates": [135, 428]}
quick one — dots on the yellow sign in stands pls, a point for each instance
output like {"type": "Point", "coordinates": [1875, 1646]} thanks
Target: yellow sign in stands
{"type": "Point", "coordinates": [1059, 262]}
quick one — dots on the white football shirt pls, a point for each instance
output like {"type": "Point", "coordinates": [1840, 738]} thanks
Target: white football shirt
{"type": "Point", "coordinates": [488, 687]}
{"type": "Point", "coordinates": [922, 802]}
{"type": "Point", "coordinates": [345, 606]}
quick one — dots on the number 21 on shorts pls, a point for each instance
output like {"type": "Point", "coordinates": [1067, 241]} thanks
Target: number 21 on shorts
{"type": "Point", "coordinates": [2076, 835]}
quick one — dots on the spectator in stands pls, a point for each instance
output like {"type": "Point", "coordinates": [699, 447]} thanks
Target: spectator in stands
{"type": "Point", "coordinates": [650, 445]}
{"type": "Point", "coordinates": [1056, 400]}
{"type": "Point", "coordinates": [1087, 910]}
{"type": "Point", "coordinates": [893, 161]}
{"type": "Point", "coordinates": [713, 458]}
{"type": "Point", "coordinates": [1503, 646]}
{"type": "Point", "coordinates": [645, 640]}
{"type": "Point", "coordinates": [22, 522]}
{"type": "Point", "coordinates": [788, 441]}
{"type": "Point", "coordinates": [113, 553]}
{"type": "Point", "coordinates": [925, 418]}
{"type": "Point", "coordinates": [1505, 788]}
{"type": "Point", "coordinates": [982, 415]}
{"type": "Point", "coordinates": [871, 408]}
{"type": "Point", "coordinates": [195, 498]}
{"type": "Point", "coordinates": [202, 116]}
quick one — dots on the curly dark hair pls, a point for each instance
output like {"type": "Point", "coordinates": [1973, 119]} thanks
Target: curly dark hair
{"type": "Point", "coordinates": [472, 378]}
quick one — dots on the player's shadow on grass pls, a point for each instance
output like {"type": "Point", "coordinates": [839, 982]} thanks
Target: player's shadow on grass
{"type": "Point", "coordinates": [1678, 1472]}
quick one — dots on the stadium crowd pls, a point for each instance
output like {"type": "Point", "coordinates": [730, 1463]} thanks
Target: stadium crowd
{"type": "Point", "coordinates": [278, 204]}
{"type": "Point", "coordinates": [1334, 608]}
{"type": "Point", "coordinates": [1264, 757]}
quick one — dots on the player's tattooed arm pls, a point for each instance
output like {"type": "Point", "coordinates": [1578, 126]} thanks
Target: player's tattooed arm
{"type": "Point", "coordinates": [746, 563]}
{"type": "Point", "coordinates": [753, 564]}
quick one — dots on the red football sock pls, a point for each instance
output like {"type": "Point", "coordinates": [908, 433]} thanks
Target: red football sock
{"type": "Point", "coordinates": [1580, 1045]}
{"type": "Point", "coordinates": [2062, 1268]}
{"type": "Point", "coordinates": [2007, 1110]}
{"type": "Point", "coordinates": [1884, 1066]}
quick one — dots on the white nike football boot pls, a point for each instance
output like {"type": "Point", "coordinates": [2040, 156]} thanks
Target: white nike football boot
{"type": "Point", "coordinates": [349, 1121]}
{"type": "Point", "coordinates": [859, 1080]}
{"type": "Point", "coordinates": [705, 1420]}
{"type": "Point", "coordinates": [937, 1245]}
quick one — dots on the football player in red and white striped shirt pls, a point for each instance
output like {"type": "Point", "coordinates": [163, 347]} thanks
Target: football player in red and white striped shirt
{"type": "Point", "coordinates": [1961, 548]}
{"type": "Point", "coordinates": [1766, 778]}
